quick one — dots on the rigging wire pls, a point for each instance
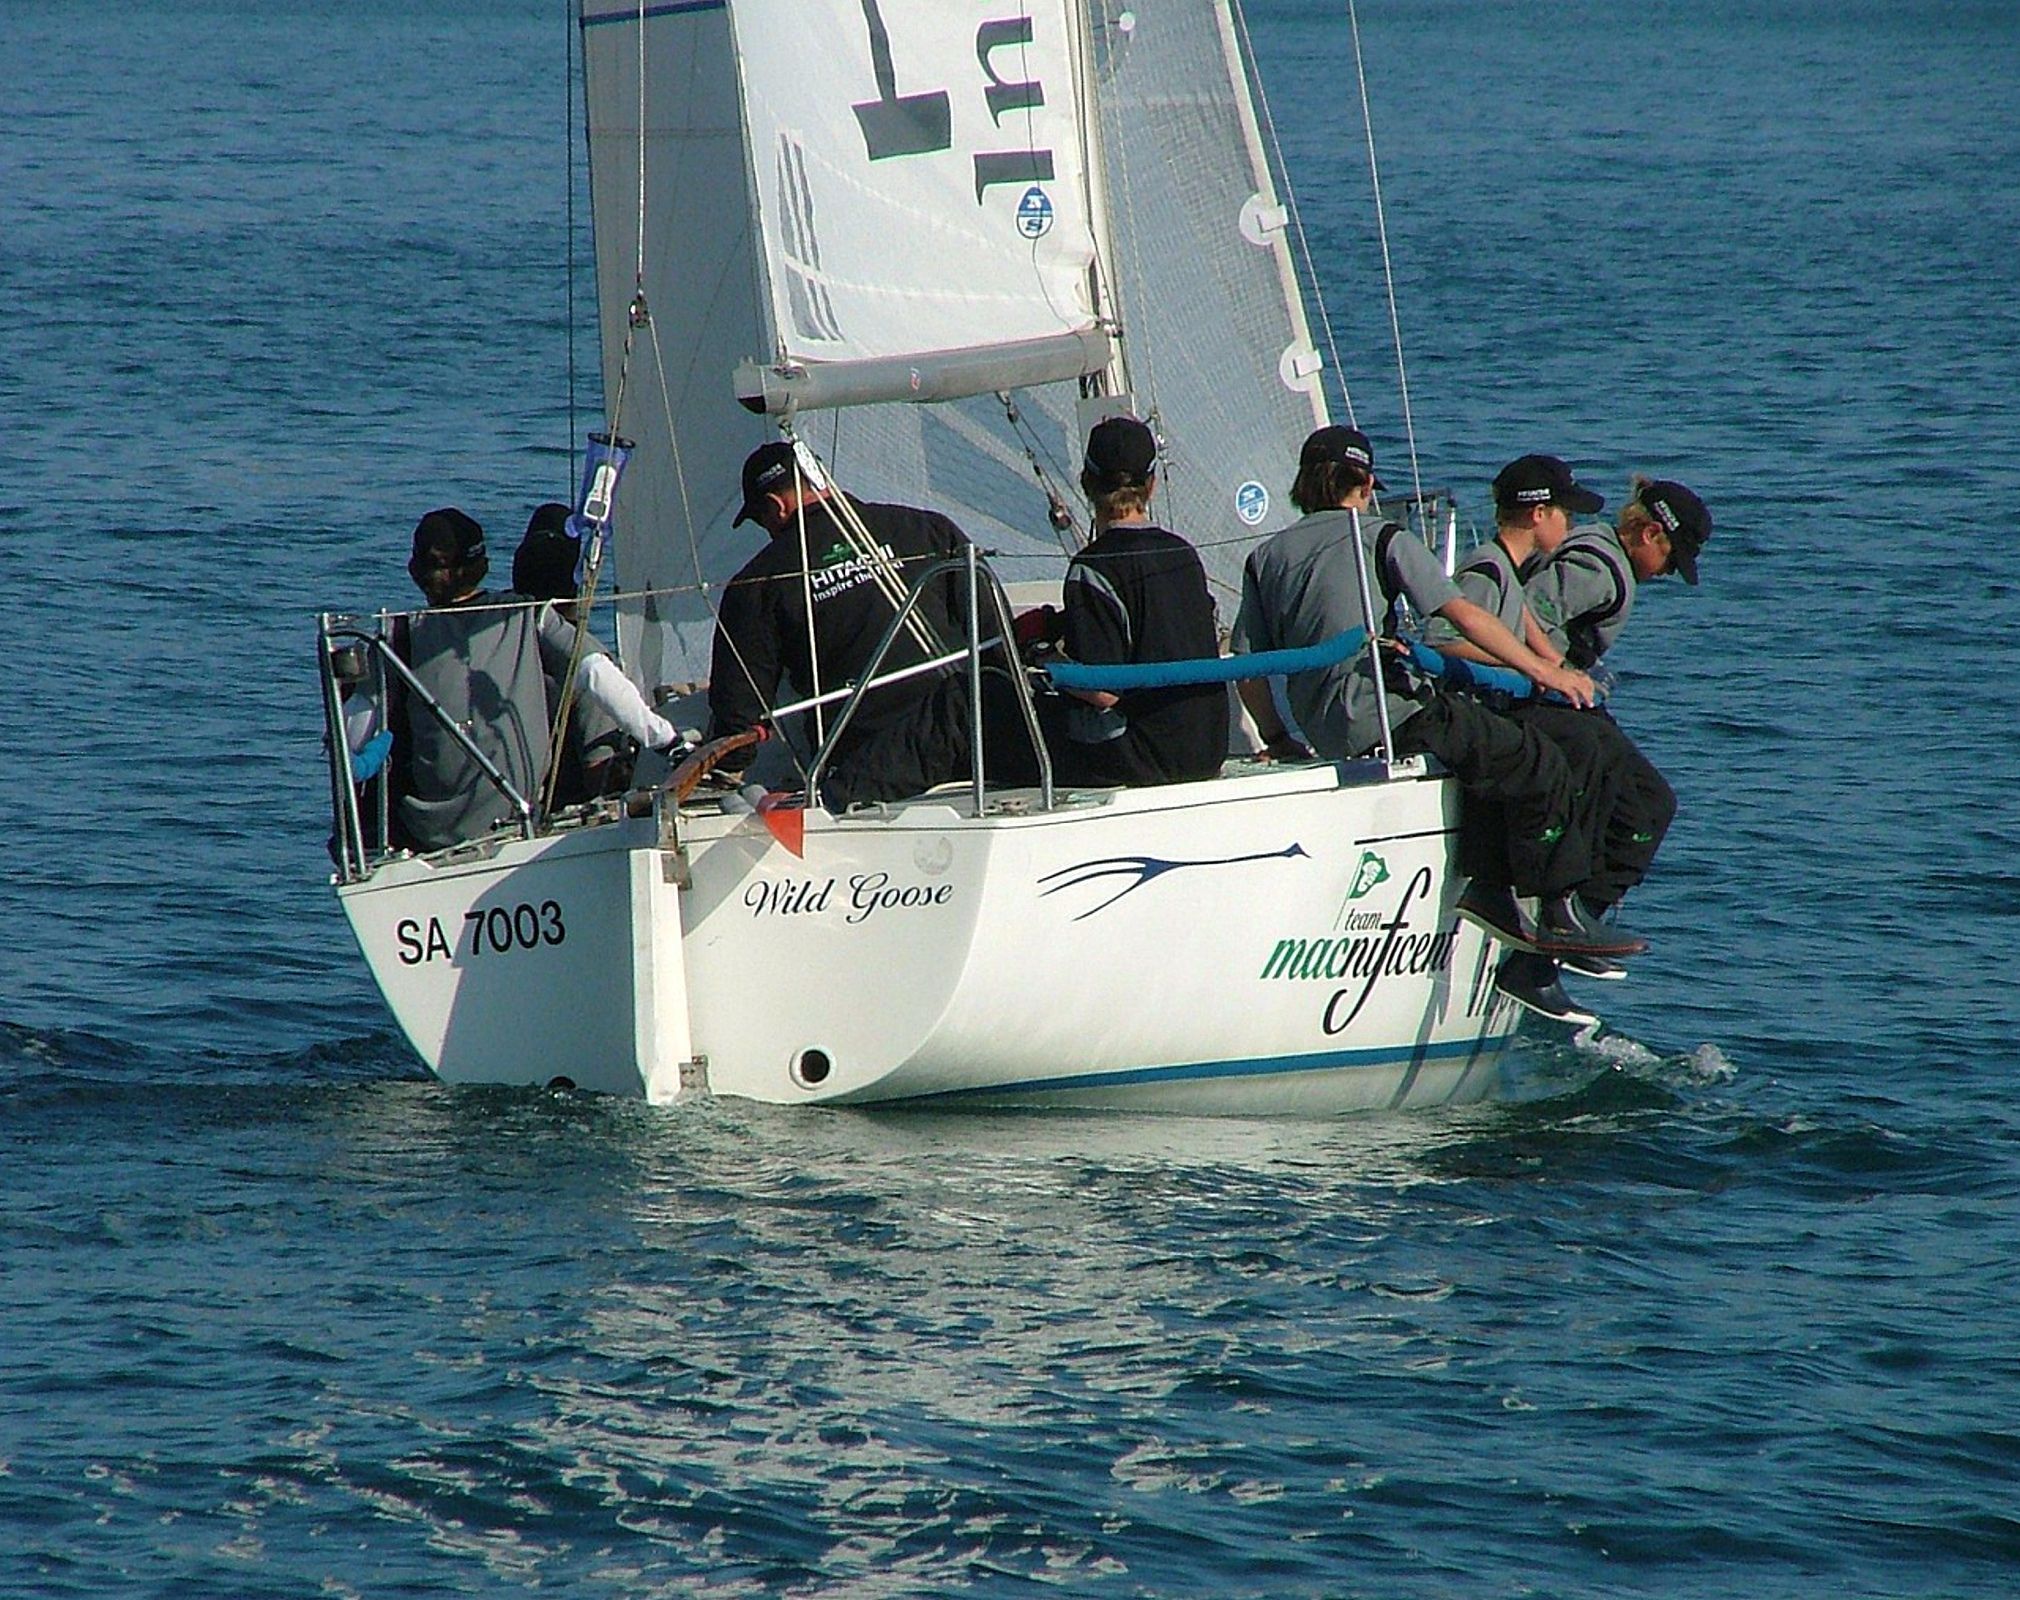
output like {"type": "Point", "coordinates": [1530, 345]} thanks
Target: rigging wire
{"type": "Point", "coordinates": [996, 557]}
{"type": "Point", "coordinates": [593, 572]}
{"type": "Point", "coordinates": [1057, 509]}
{"type": "Point", "coordinates": [1388, 270]}
{"type": "Point", "coordinates": [569, 35]}
{"type": "Point", "coordinates": [673, 443]}
{"type": "Point", "coordinates": [886, 572]}
{"type": "Point", "coordinates": [640, 320]}
{"type": "Point", "coordinates": [558, 734]}
{"type": "Point", "coordinates": [865, 546]}
{"type": "Point", "coordinates": [1381, 226]}
{"type": "Point", "coordinates": [641, 146]}
{"type": "Point", "coordinates": [807, 599]}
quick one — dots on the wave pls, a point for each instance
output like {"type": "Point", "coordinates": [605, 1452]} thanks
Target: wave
{"type": "Point", "coordinates": [70, 1061]}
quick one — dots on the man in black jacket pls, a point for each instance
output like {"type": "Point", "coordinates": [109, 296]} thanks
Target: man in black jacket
{"type": "Point", "coordinates": [905, 737]}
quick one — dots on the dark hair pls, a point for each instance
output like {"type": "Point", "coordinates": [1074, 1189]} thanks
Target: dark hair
{"type": "Point", "coordinates": [543, 567]}
{"type": "Point", "coordinates": [1322, 485]}
{"type": "Point", "coordinates": [1517, 516]}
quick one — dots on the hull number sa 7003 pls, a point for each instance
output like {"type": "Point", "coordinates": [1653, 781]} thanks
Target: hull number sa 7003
{"type": "Point", "coordinates": [497, 930]}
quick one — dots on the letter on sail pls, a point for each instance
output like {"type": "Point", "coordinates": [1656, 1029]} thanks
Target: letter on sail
{"type": "Point", "coordinates": [922, 200]}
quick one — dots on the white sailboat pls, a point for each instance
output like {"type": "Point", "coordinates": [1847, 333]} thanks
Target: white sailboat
{"type": "Point", "coordinates": [936, 242]}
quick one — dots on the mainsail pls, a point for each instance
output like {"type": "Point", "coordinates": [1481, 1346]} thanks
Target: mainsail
{"type": "Point", "coordinates": [922, 200]}
{"type": "Point", "coordinates": [839, 208]}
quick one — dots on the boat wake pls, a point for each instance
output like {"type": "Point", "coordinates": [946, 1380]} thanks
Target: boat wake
{"type": "Point", "coordinates": [1600, 1064]}
{"type": "Point", "coordinates": [1700, 1066]}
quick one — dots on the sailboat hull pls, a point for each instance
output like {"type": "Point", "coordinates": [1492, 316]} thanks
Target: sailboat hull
{"type": "Point", "coordinates": [1278, 941]}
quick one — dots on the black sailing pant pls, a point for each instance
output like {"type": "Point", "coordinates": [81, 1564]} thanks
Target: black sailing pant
{"type": "Point", "coordinates": [1623, 805]}
{"type": "Point", "coordinates": [932, 742]}
{"type": "Point", "coordinates": [1518, 824]}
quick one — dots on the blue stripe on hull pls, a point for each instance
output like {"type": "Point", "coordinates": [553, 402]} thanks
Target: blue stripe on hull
{"type": "Point", "coordinates": [1268, 1066]}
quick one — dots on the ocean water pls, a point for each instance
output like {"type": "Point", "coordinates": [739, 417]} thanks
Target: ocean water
{"type": "Point", "coordinates": [1729, 1313]}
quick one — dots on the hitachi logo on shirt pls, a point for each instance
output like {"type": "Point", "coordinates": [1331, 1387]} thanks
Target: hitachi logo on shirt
{"type": "Point", "coordinates": [838, 569]}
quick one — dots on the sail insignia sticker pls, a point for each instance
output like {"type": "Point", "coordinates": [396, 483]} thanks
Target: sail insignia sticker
{"type": "Point", "coordinates": [1251, 502]}
{"type": "Point", "coordinates": [1034, 213]}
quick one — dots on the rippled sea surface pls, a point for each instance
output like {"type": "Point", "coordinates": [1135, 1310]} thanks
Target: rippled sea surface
{"type": "Point", "coordinates": [1728, 1310]}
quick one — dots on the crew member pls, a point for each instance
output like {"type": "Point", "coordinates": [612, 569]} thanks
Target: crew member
{"type": "Point", "coordinates": [596, 754]}
{"type": "Point", "coordinates": [1136, 593]}
{"type": "Point", "coordinates": [1301, 588]}
{"type": "Point", "coordinates": [1532, 499]}
{"type": "Point", "coordinates": [1582, 593]}
{"type": "Point", "coordinates": [851, 563]}
{"type": "Point", "coordinates": [486, 659]}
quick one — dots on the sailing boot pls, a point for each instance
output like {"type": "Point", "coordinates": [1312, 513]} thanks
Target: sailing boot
{"type": "Point", "coordinates": [1564, 928]}
{"type": "Point", "coordinates": [1531, 982]}
{"type": "Point", "coordinates": [1591, 966]}
{"type": "Point", "coordinates": [1492, 909]}
{"type": "Point", "coordinates": [1584, 964]}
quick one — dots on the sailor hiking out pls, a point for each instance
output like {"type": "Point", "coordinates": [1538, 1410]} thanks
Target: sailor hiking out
{"type": "Point", "coordinates": [1521, 833]}
{"type": "Point", "coordinates": [1582, 592]}
{"type": "Point", "coordinates": [1534, 500]}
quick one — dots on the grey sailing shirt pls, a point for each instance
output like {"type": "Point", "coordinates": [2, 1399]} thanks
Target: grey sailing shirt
{"type": "Point", "coordinates": [488, 661]}
{"type": "Point", "coordinates": [1302, 587]}
{"type": "Point", "coordinates": [1488, 577]}
{"type": "Point", "coordinates": [1583, 592]}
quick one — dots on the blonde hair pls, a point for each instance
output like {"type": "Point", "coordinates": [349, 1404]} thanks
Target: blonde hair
{"type": "Point", "coordinates": [1111, 505]}
{"type": "Point", "coordinates": [1634, 515]}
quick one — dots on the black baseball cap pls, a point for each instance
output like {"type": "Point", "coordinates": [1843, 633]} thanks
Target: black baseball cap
{"type": "Point", "coordinates": [765, 470]}
{"type": "Point", "coordinates": [1121, 453]}
{"type": "Point", "coordinates": [543, 567]}
{"type": "Point", "coordinates": [1339, 443]}
{"type": "Point", "coordinates": [1541, 481]}
{"type": "Point", "coordinates": [1684, 518]}
{"type": "Point", "coordinates": [447, 537]}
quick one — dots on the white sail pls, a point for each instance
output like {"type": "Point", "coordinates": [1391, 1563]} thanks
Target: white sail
{"type": "Point", "coordinates": [1219, 355]}
{"type": "Point", "coordinates": [922, 197]}
{"type": "Point", "coordinates": [682, 236]}
{"type": "Point", "coordinates": [766, 248]}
